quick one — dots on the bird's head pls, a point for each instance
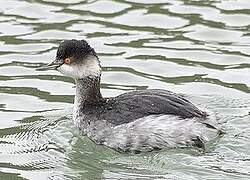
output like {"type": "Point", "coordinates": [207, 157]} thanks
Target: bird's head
{"type": "Point", "coordinates": [76, 59]}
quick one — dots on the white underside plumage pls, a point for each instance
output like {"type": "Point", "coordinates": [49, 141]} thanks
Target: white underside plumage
{"type": "Point", "coordinates": [154, 131]}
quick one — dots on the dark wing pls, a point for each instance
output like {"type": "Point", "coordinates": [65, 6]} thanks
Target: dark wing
{"type": "Point", "coordinates": [136, 104]}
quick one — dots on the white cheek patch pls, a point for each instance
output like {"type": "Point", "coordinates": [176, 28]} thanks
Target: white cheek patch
{"type": "Point", "coordinates": [90, 68]}
{"type": "Point", "coordinates": [67, 70]}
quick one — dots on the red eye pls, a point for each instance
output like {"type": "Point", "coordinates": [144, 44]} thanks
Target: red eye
{"type": "Point", "coordinates": [67, 61]}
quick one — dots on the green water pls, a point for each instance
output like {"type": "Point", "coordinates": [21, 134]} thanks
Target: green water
{"type": "Point", "coordinates": [197, 48]}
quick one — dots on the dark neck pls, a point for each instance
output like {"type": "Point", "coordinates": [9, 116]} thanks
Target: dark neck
{"type": "Point", "coordinates": [88, 91]}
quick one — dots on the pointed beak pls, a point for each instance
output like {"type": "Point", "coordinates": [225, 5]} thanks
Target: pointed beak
{"type": "Point", "coordinates": [52, 66]}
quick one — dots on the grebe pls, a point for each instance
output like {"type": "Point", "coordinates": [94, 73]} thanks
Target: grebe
{"type": "Point", "coordinates": [135, 121]}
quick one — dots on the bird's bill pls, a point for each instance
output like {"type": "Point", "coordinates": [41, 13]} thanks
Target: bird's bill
{"type": "Point", "coordinates": [52, 66]}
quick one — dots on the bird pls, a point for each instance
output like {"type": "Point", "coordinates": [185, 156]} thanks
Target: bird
{"type": "Point", "coordinates": [136, 121]}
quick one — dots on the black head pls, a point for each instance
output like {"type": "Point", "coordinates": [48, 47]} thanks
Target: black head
{"type": "Point", "coordinates": [76, 50]}
{"type": "Point", "coordinates": [71, 52]}
{"type": "Point", "coordinates": [75, 58]}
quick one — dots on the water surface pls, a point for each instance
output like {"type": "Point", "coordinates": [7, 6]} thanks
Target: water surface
{"type": "Point", "coordinates": [197, 48]}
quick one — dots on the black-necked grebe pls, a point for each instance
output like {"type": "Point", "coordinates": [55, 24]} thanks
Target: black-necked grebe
{"type": "Point", "coordinates": [136, 121]}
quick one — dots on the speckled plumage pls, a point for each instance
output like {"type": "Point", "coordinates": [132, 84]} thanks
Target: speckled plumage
{"type": "Point", "coordinates": [135, 121]}
{"type": "Point", "coordinates": [142, 120]}
{"type": "Point", "coordinates": [130, 106]}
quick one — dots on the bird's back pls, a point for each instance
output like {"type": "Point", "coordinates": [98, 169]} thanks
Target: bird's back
{"type": "Point", "coordinates": [130, 106]}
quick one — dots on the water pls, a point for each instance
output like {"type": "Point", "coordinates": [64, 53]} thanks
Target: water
{"type": "Point", "coordinates": [197, 48]}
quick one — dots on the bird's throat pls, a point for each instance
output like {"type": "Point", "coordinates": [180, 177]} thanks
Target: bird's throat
{"type": "Point", "coordinates": [87, 93]}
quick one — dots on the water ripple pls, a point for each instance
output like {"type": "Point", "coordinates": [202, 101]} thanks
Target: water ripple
{"type": "Point", "coordinates": [197, 48]}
